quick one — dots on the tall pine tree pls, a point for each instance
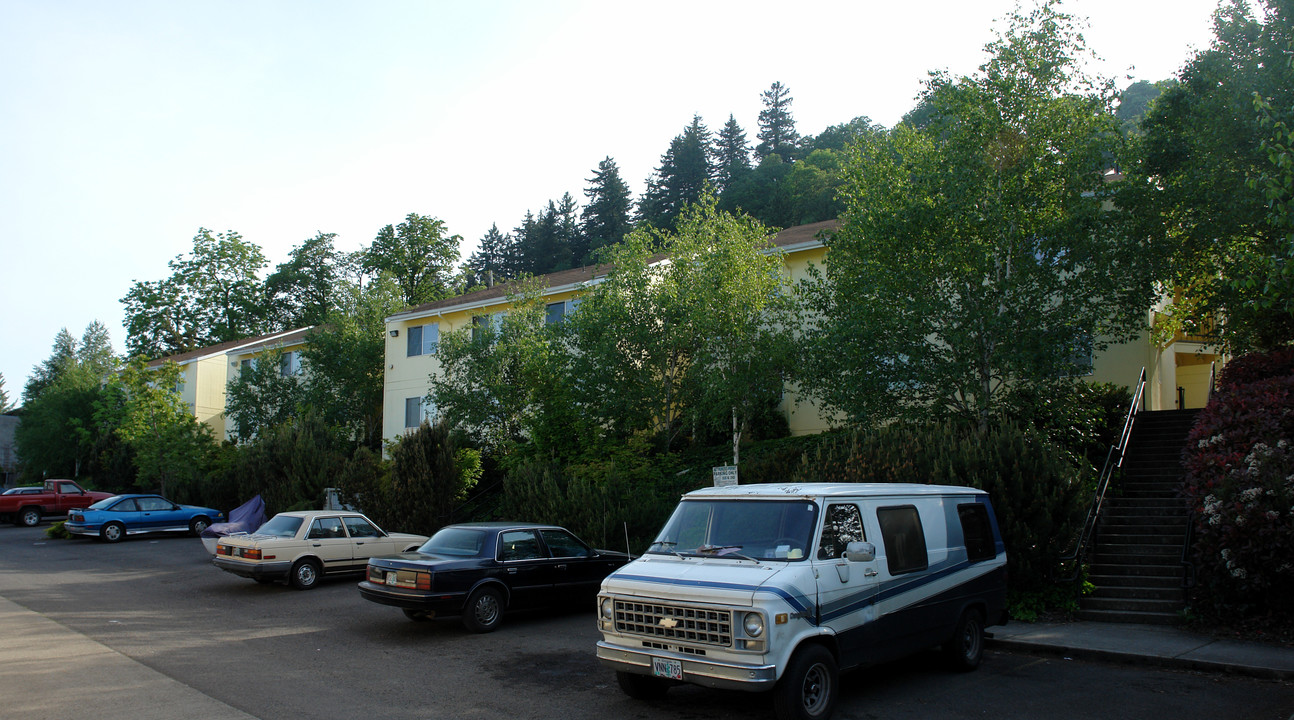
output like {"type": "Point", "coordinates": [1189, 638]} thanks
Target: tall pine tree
{"type": "Point", "coordinates": [684, 171]}
{"type": "Point", "coordinates": [607, 216]}
{"type": "Point", "coordinates": [731, 155]}
{"type": "Point", "coordinates": [776, 126]}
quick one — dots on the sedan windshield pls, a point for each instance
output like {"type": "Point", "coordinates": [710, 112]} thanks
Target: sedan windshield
{"type": "Point", "coordinates": [461, 542]}
{"type": "Point", "coordinates": [284, 526]}
{"type": "Point", "coordinates": [753, 529]}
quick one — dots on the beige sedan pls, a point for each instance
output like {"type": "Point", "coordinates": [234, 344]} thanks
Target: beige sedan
{"type": "Point", "coordinates": [302, 547]}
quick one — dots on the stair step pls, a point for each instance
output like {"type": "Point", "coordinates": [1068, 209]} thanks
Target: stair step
{"type": "Point", "coordinates": [1140, 618]}
{"type": "Point", "coordinates": [1105, 580]}
{"type": "Point", "coordinates": [1130, 605]}
{"type": "Point", "coordinates": [1124, 528]}
{"type": "Point", "coordinates": [1149, 543]}
{"type": "Point", "coordinates": [1176, 595]}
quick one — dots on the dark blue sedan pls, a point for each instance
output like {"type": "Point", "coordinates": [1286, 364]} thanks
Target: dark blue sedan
{"type": "Point", "coordinates": [477, 570]}
{"type": "Point", "coordinates": [112, 519]}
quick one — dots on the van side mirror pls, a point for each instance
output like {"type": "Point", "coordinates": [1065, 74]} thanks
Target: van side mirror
{"type": "Point", "coordinates": [860, 552]}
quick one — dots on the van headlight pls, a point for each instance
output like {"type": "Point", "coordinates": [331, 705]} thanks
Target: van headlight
{"type": "Point", "coordinates": [753, 624]}
{"type": "Point", "coordinates": [608, 608]}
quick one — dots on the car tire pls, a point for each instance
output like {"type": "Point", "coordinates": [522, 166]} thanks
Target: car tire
{"type": "Point", "coordinates": [484, 610]}
{"type": "Point", "coordinates": [808, 688]}
{"type": "Point", "coordinates": [28, 517]}
{"type": "Point", "coordinates": [416, 615]}
{"type": "Point", "coordinates": [304, 574]}
{"type": "Point", "coordinates": [112, 532]}
{"type": "Point", "coordinates": [966, 647]}
{"type": "Point", "coordinates": [198, 524]}
{"type": "Point", "coordinates": [642, 687]}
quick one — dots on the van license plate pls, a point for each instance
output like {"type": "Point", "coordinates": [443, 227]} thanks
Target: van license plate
{"type": "Point", "coordinates": [667, 668]}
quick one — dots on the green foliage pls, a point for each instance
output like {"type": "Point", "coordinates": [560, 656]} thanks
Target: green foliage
{"type": "Point", "coordinates": [1082, 419]}
{"type": "Point", "coordinates": [503, 383]}
{"type": "Point", "coordinates": [213, 295]}
{"type": "Point", "coordinates": [261, 396]}
{"type": "Point", "coordinates": [659, 346]}
{"type": "Point", "coordinates": [608, 216]}
{"type": "Point", "coordinates": [56, 531]}
{"type": "Point", "coordinates": [171, 448]}
{"type": "Point", "coordinates": [1215, 179]}
{"type": "Point", "coordinates": [57, 437]}
{"type": "Point", "coordinates": [731, 155]}
{"type": "Point", "coordinates": [344, 360]}
{"type": "Point", "coordinates": [628, 488]}
{"type": "Point", "coordinates": [1239, 460]}
{"type": "Point", "coordinates": [5, 403]}
{"type": "Point", "coordinates": [302, 292]}
{"type": "Point", "coordinates": [684, 172]}
{"type": "Point", "coordinates": [777, 135]}
{"type": "Point", "coordinates": [430, 476]}
{"type": "Point", "coordinates": [418, 255]}
{"type": "Point", "coordinates": [291, 463]}
{"type": "Point", "coordinates": [1037, 494]}
{"type": "Point", "coordinates": [978, 252]}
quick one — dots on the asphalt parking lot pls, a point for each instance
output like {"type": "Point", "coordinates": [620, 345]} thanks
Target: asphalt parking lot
{"type": "Point", "coordinates": [83, 618]}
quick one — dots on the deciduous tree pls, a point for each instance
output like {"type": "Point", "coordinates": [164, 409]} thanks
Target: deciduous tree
{"type": "Point", "coordinates": [980, 250]}
{"type": "Point", "coordinates": [418, 254]}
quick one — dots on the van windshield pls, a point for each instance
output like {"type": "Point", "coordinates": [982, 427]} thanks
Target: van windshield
{"type": "Point", "coordinates": [758, 529]}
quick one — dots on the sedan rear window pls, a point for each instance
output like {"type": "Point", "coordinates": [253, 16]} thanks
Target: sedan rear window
{"type": "Point", "coordinates": [284, 526]}
{"type": "Point", "coordinates": [462, 542]}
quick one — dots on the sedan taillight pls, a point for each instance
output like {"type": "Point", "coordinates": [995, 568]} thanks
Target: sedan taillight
{"type": "Point", "coordinates": [252, 553]}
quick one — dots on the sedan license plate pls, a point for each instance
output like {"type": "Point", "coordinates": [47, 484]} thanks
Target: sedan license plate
{"type": "Point", "coordinates": [667, 668]}
{"type": "Point", "coordinates": [390, 578]}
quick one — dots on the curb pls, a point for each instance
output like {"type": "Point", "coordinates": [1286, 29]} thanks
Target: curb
{"type": "Point", "coordinates": [1124, 658]}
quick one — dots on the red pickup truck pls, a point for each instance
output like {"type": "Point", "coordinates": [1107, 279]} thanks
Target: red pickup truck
{"type": "Point", "coordinates": [26, 505]}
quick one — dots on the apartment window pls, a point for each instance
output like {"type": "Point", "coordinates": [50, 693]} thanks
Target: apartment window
{"type": "Point", "coordinates": [557, 312]}
{"type": "Point", "coordinates": [423, 339]}
{"type": "Point", "coordinates": [417, 409]}
{"type": "Point", "coordinates": [905, 540]}
{"type": "Point", "coordinates": [245, 366]}
{"type": "Point", "coordinates": [290, 363]}
{"type": "Point", "coordinates": [1078, 360]}
{"type": "Point", "coordinates": [494, 321]}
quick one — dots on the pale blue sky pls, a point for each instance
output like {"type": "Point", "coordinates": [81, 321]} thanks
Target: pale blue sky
{"type": "Point", "coordinates": [126, 125]}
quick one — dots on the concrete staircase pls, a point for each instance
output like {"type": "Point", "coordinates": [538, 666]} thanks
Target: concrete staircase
{"type": "Point", "coordinates": [1136, 559]}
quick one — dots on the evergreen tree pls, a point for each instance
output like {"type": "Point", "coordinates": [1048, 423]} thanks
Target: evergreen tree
{"type": "Point", "coordinates": [684, 171]}
{"type": "Point", "coordinates": [731, 155]}
{"type": "Point", "coordinates": [606, 218]}
{"type": "Point", "coordinates": [490, 264]}
{"type": "Point", "coordinates": [776, 126]}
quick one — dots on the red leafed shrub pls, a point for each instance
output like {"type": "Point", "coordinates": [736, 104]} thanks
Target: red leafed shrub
{"type": "Point", "coordinates": [1240, 479]}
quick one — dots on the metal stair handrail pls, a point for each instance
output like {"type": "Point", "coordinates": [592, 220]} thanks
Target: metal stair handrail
{"type": "Point", "coordinates": [1113, 461]}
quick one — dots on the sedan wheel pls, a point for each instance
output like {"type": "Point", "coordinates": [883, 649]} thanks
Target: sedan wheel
{"type": "Point", "coordinates": [305, 574]}
{"type": "Point", "coordinates": [113, 532]}
{"type": "Point", "coordinates": [198, 524]}
{"type": "Point", "coordinates": [484, 610]}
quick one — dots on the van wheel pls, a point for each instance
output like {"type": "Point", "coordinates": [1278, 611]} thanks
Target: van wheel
{"type": "Point", "coordinates": [966, 647]}
{"type": "Point", "coordinates": [642, 687]}
{"type": "Point", "coordinates": [808, 688]}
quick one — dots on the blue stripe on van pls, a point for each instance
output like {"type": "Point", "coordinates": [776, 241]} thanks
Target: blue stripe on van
{"type": "Point", "coordinates": [799, 600]}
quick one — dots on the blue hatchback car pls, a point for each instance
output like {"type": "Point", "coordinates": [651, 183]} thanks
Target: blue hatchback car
{"type": "Point", "coordinates": [116, 517]}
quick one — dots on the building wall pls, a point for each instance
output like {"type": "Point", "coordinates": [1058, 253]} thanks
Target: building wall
{"type": "Point", "coordinates": [1121, 364]}
{"type": "Point", "coordinates": [230, 365]}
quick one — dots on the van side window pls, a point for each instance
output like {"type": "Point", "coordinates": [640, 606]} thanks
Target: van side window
{"type": "Point", "coordinates": [904, 538]}
{"type": "Point", "coordinates": [842, 525]}
{"type": "Point", "coordinates": [977, 532]}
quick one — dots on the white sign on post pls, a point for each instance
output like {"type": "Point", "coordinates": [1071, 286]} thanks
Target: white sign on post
{"type": "Point", "coordinates": [725, 476]}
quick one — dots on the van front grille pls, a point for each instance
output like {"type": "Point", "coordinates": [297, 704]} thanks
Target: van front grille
{"type": "Point", "coordinates": [680, 623]}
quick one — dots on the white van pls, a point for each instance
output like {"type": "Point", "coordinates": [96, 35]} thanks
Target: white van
{"type": "Point", "coordinates": [759, 587]}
